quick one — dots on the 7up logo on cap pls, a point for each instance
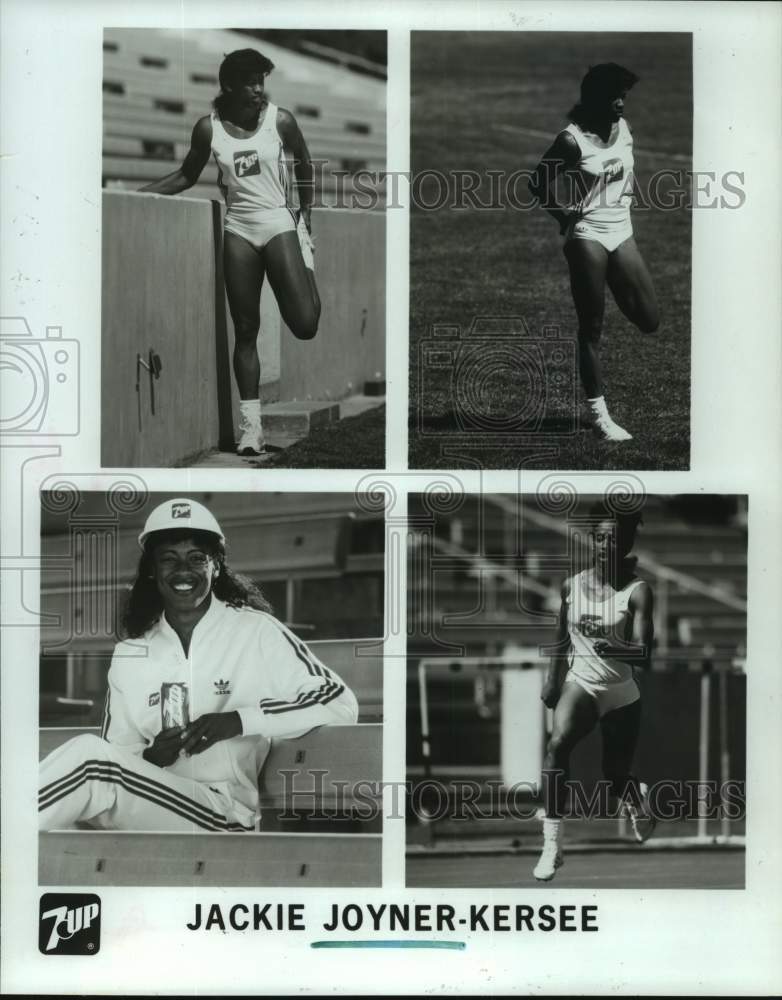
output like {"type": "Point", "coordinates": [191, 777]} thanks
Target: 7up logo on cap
{"type": "Point", "coordinates": [69, 923]}
{"type": "Point", "coordinates": [180, 510]}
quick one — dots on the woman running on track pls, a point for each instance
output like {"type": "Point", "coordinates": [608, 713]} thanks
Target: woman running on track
{"type": "Point", "coordinates": [595, 155]}
{"type": "Point", "coordinates": [605, 633]}
{"type": "Point", "coordinates": [250, 139]}
{"type": "Point", "coordinates": [206, 679]}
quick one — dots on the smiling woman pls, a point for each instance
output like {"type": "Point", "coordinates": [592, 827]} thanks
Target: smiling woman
{"type": "Point", "coordinates": [206, 678]}
{"type": "Point", "coordinates": [174, 561]}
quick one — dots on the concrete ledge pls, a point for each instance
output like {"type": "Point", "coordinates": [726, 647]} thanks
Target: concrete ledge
{"type": "Point", "coordinates": [163, 291]}
{"type": "Point", "coordinates": [350, 268]}
{"type": "Point", "coordinates": [375, 387]}
{"type": "Point", "coordinates": [284, 432]}
{"type": "Point", "coordinates": [296, 420]}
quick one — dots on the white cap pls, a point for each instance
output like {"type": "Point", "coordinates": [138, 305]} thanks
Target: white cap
{"type": "Point", "coordinates": [180, 513]}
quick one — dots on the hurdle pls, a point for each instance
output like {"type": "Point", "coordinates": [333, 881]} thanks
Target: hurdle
{"type": "Point", "coordinates": [710, 668]}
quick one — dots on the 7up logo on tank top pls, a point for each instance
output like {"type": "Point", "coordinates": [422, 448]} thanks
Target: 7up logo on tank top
{"type": "Point", "coordinates": [591, 626]}
{"type": "Point", "coordinates": [613, 170]}
{"type": "Point", "coordinates": [247, 162]}
{"type": "Point", "coordinates": [69, 923]}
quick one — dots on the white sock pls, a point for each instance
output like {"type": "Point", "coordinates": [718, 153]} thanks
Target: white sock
{"type": "Point", "coordinates": [598, 405]}
{"type": "Point", "coordinates": [251, 411]}
{"type": "Point", "coordinates": [552, 830]}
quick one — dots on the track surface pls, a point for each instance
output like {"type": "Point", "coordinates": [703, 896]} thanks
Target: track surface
{"type": "Point", "coordinates": [707, 869]}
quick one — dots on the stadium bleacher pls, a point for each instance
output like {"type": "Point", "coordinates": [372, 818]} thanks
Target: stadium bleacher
{"type": "Point", "coordinates": [700, 567]}
{"type": "Point", "coordinates": [485, 577]}
{"type": "Point", "coordinates": [158, 83]}
{"type": "Point", "coordinates": [318, 558]}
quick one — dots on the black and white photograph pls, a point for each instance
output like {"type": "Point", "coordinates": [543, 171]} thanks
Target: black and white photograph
{"type": "Point", "coordinates": [211, 665]}
{"type": "Point", "coordinates": [243, 298]}
{"type": "Point", "coordinates": [390, 464]}
{"type": "Point", "coordinates": [576, 691]}
{"type": "Point", "coordinates": [550, 248]}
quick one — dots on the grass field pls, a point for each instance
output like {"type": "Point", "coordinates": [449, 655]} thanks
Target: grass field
{"type": "Point", "coordinates": [352, 443]}
{"type": "Point", "coordinates": [486, 101]}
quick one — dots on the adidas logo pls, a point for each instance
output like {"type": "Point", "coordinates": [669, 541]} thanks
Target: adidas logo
{"type": "Point", "coordinates": [222, 687]}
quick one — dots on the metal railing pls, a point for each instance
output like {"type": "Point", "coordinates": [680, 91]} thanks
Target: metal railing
{"type": "Point", "coordinates": [707, 766]}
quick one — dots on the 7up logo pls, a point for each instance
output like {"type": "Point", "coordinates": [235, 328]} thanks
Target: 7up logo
{"type": "Point", "coordinates": [69, 924]}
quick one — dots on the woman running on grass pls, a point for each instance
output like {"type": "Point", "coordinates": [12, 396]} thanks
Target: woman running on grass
{"type": "Point", "coordinates": [595, 155]}
{"type": "Point", "coordinates": [605, 635]}
{"type": "Point", "coordinates": [250, 139]}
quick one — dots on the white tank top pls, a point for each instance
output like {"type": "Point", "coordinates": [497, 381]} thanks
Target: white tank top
{"type": "Point", "coordinates": [590, 619]}
{"type": "Point", "coordinates": [253, 173]}
{"type": "Point", "coordinates": [606, 173]}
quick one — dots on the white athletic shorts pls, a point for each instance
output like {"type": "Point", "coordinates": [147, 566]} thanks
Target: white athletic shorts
{"type": "Point", "coordinates": [608, 234]}
{"type": "Point", "coordinates": [260, 228]}
{"type": "Point", "coordinates": [609, 696]}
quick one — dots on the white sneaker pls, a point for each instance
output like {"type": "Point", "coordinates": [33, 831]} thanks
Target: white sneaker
{"type": "Point", "coordinates": [551, 856]}
{"type": "Point", "coordinates": [251, 441]}
{"type": "Point", "coordinates": [605, 429]}
{"type": "Point", "coordinates": [306, 243]}
{"type": "Point", "coordinates": [641, 819]}
{"type": "Point", "coordinates": [550, 859]}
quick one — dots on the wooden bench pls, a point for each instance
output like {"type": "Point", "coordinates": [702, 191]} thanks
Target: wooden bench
{"type": "Point", "coordinates": [351, 756]}
{"type": "Point", "coordinates": [359, 662]}
{"type": "Point", "coordinates": [328, 780]}
{"type": "Point", "coordinates": [93, 858]}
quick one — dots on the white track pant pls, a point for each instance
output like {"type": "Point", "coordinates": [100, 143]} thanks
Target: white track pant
{"type": "Point", "coordinates": [91, 781]}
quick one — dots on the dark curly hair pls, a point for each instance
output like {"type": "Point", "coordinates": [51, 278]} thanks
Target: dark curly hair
{"type": "Point", "coordinates": [602, 83]}
{"type": "Point", "coordinates": [235, 68]}
{"type": "Point", "coordinates": [144, 605]}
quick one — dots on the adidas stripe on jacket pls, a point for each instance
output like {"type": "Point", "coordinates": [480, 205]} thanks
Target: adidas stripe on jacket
{"type": "Point", "coordinates": [239, 660]}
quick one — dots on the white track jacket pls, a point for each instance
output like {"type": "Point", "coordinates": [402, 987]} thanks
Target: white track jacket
{"type": "Point", "coordinates": [240, 660]}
